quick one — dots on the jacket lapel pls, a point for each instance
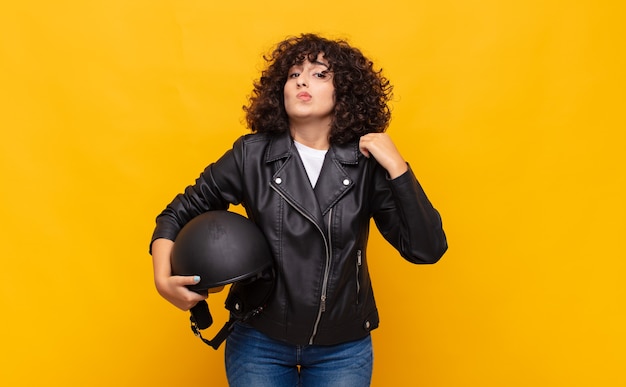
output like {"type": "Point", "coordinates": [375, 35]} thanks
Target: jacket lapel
{"type": "Point", "coordinates": [333, 182]}
{"type": "Point", "coordinates": [290, 179]}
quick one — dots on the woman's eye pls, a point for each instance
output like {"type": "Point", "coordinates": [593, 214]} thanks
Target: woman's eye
{"type": "Point", "coordinates": [294, 75]}
{"type": "Point", "coordinates": [320, 75]}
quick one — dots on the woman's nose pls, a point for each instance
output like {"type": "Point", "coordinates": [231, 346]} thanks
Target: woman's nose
{"type": "Point", "coordinates": [300, 81]}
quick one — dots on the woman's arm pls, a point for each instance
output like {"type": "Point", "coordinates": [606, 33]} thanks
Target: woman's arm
{"type": "Point", "coordinates": [204, 195]}
{"type": "Point", "coordinates": [404, 215]}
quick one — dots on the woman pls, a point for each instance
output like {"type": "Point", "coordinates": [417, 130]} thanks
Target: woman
{"type": "Point", "coordinates": [317, 167]}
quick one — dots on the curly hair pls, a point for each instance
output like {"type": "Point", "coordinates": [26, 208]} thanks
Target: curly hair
{"type": "Point", "coordinates": [361, 92]}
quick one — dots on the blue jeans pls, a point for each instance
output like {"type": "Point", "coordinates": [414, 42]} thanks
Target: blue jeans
{"type": "Point", "coordinates": [255, 360]}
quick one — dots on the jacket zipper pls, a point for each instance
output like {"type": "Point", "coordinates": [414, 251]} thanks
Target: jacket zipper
{"type": "Point", "coordinates": [322, 307]}
{"type": "Point", "coordinates": [358, 269]}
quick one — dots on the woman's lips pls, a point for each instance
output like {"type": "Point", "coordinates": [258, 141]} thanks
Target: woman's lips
{"type": "Point", "coordinates": [304, 96]}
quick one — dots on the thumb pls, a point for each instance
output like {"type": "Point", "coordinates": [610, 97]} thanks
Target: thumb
{"type": "Point", "coordinates": [363, 148]}
{"type": "Point", "coordinates": [365, 151]}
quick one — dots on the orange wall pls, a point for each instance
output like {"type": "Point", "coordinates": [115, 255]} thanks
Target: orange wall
{"type": "Point", "coordinates": [511, 114]}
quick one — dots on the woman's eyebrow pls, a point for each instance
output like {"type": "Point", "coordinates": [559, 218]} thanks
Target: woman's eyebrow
{"type": "Point", "coordinates": [315, 62]}
{"type": "Point", "coordinates": [320, 63]}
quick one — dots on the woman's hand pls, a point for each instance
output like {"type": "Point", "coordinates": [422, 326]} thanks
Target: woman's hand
{"type": "Point", "coordinates": [172, 288]}
{"type": "Point", "coordinates": [384, 151]}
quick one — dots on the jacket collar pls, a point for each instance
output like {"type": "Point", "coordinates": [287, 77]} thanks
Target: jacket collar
{"type": "Point", "coordinates": [280, 147]}
{"type": "Point", "coordinates": [291, 181]}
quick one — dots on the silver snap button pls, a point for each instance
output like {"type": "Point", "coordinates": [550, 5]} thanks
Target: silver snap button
{"type": "Point", "coordinates": [346, 182]}
{"type": "Point", "coordinates": [367, 325]}
{"type": "Point", "coordinates": [278, 180]}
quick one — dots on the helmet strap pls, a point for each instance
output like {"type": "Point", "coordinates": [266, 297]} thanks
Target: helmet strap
{"type": "Point", "coordinates": [238, 305]}
{"type": "Point", "coordinates": [221, 335]}
{"type": "Point", "coordinates": [226, 329]}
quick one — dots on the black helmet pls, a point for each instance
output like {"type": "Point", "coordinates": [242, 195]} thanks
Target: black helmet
{"type": "Point", "coordinates": [223, 248]}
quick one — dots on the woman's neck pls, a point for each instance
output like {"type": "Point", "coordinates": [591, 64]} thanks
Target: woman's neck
{"type": "Point", "coordinates": [313, 136]}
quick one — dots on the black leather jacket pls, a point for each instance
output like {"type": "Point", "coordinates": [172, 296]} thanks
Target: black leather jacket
{"type": "Point", "coordinates": [318, 236]}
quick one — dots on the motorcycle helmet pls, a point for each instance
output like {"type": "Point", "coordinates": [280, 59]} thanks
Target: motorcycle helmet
{"type": "Point", "coordinates": [223, 248]}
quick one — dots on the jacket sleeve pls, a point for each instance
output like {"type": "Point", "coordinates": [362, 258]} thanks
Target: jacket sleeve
{"type": "Point", "coordinates": [204, 195]}
{"type": "Point", "coordinates": [407, 219]}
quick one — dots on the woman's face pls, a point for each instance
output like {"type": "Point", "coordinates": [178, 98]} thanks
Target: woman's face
{"type": "Point", "coordinates": [309, 92]}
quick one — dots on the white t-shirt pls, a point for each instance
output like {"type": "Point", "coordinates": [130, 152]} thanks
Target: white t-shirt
{"type": "Point", "coordinates": [313, 160]}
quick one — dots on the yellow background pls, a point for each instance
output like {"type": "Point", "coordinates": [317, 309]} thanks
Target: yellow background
{"type": "Point", "coordinates": [511, 114]}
